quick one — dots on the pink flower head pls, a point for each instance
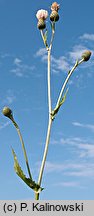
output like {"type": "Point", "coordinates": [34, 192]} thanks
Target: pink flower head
{"type": "Point", "coordinates": [55, 6]}
{"type": "Point", "coordinates": [42, 14]}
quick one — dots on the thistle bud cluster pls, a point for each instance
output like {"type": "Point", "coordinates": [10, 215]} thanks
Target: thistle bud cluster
{"type": "Point", "coordinates": [43, 14]}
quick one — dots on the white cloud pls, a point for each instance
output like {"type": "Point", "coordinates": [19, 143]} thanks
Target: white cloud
{"type": "Point", "coordinates": [5, 55]}
{"type": "Point", "coordinates": [65, 63]}
{"type": "Point", "coordinates": [9, 97]}
{"type": "Point", "coordinates": [68, 184]}
{"type": "Point", "coordinates": [17, 72]}
{"type": "Point", "coordinates": [71, 168]}
{"type": "Point", "coordinates": [87, 36]}
{"type": "Point", "coordinates": [58, 64]}
{"type": "Point", "coordinates": [58, 167]}
{"type": "Point", "coordinates": [86, 172]}
{"type": "Point", "coordinates": [83, 148]}
{"type": "Point", "coordinates": [68, 141]}
{"type": "Point", "coordinates": [88, 126]}
{"type": "Point", "coordinates": [17, 61]}
{"type": "Point", "coordinates": [20, 69]}
{"type": "Point", "coordinates": [77, 51]}
{"type": "Point", "coordinates": [41, 52]}
{"type": "Point", "coordinates": [4, 125]}
{"type": "Point", "coordinates": [88, 150]}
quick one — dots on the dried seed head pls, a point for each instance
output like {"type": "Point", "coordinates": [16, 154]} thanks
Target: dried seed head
{"type": "Point", "coordinates": [86, 55]}
{"type": "Point", "coordinates": [54, 16]}
{"type": "Point", "coordinates": [7, 112]}
{"type": "Point", "coordinates": [41, 24]}
{"type": "Point", "coordinates": [55, 6]}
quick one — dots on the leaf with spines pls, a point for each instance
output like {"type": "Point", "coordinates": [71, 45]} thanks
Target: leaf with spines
{"type": "Point", "coordinates": [20, 173]}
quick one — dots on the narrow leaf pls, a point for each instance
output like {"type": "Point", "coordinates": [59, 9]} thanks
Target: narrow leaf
{"type": "Point", "coordinates": [55, 111]}
{"type": "Point", "coordinates": [20, 173]}
{"type": "Point", "coordinates": [64, 97]}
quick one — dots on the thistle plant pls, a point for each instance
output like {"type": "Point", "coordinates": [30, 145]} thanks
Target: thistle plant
{"type": "Point", "coordinates": [42, 15]}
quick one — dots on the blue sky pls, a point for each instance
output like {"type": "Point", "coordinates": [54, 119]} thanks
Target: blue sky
{"type": "Point", "coordinates": [69, 171]}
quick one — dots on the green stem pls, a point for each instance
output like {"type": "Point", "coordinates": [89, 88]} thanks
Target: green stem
{"type": "Point", "coordinates": [50, 109]}
{"type": "Point", "coordinates": [23, 146]}
{"type": "Point", "coordinates": [45, 152]}
{"type": "Point", "coordinates": [44, 156]}
{"type": "Point", "coordinates": [49, 81]}
{"type": "Point", "coordinates": [45, 42]}
{"type": "Point", "coordinates": [36, 196]}
{"type": "Point", "coordinates": [52, 36]}
{"type": "Point", "coordinates": [49, 126]}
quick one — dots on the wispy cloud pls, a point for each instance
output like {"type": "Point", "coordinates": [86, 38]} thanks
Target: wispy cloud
{"type": "Point", "coordinates": [68, 184]}
{"type": "Point", "coordinates": [83, 148]}
{"type": "Point", "coordinates": [76, 52]}
{"type": "Point", "coordinates": [9, 97]}
{"type": "Point", "coordinates": [20, 69]}
{"type": "Point", "coordinates": [87, 36]}
{"type": "Point", "coordinates": [88, 126]}
{"type": "Point", "coordinates": [4, 125]}
{"type": "Point", "coordinates": [77, 172]}
{"type": "Point", "coordinates": [71, 168]}
{"type": "Point", "coordinates": [59, 167]}
{"type": "Point", "coordinates": [17, 61]}
{"type": "Point", "coordinates": [5, 55]}
{"type": "Point", "coordinates": [56, 167]}
{"type": "Point", "coordinates": [41, 52]}
{"type": "Point", "coordinates": [65, 62]}
{"type": "Point", "coordinates": [58, 64]}
{"type": "Point", "coordinates": [88, 172]}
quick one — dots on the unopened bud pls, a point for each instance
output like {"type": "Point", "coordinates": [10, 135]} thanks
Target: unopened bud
{"type": "Point", "coordinates": [55, 6]}
{"type": "Point", "coordinates": [41, 24]}
{"type": "Point", "coordinates": [7, 112]}
{"type": "Point", "coordinates": [54, 16]}
{"type": "Point", "coordinates": [86, 55]}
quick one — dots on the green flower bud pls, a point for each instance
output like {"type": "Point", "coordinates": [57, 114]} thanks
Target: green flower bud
{"type": "Point", "coordinates": [41, 24]}
{"type": "Point", "coordinates": [54, 16]}
{"type": "Point", "coordinates": [7, 112]}
{"type": "Point", "coordinates": [86, 55]}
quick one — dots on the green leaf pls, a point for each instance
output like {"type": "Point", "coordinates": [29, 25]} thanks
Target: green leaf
{"type": "Point", "coordinates": [55, 111]}
{"type": "Point", "coordinates": [20, 173]}
{"type": "Point", "coordinates": [69, 71]}
{"type": "Point", "coordinates": [63, 98]}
